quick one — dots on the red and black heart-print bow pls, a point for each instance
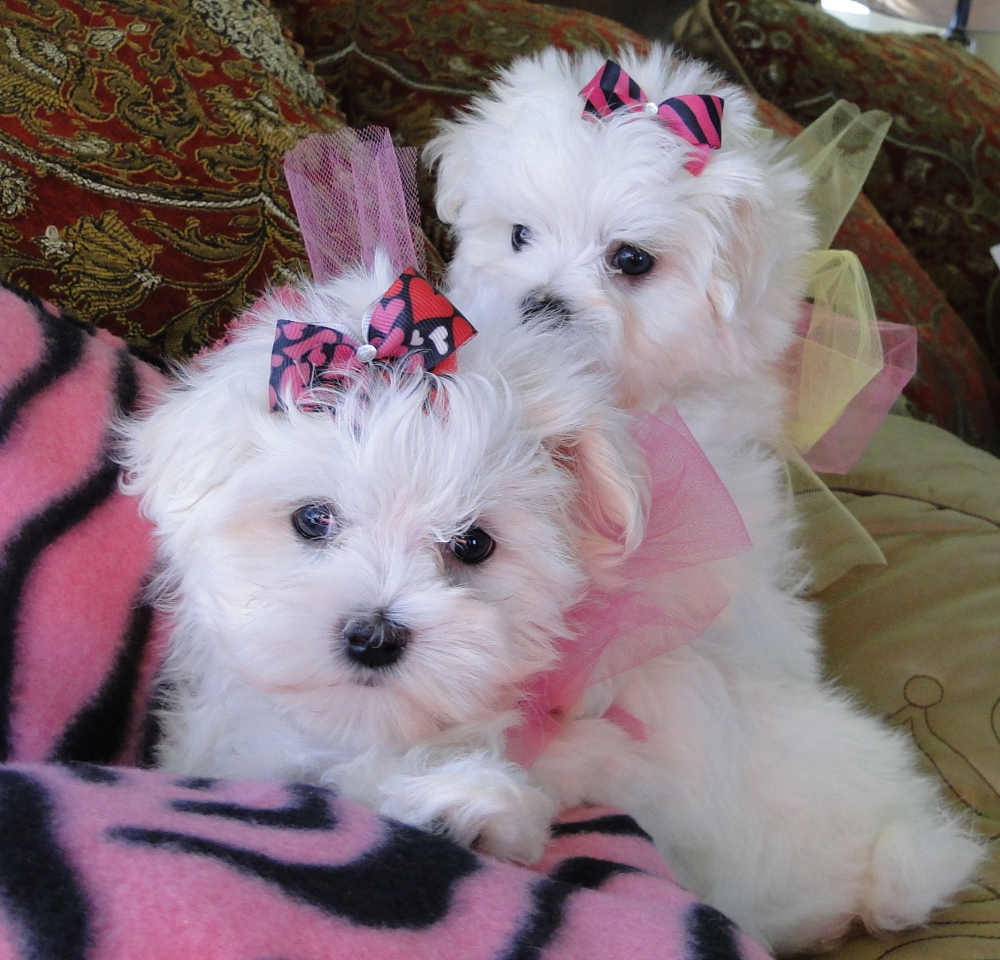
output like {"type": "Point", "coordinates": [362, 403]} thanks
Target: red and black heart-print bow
{"type": "Point", "coordinates": [697, 118]}
{"type": "Point", "coordinates": [413, 321]}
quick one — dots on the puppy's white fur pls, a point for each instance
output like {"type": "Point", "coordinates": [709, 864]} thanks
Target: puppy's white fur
{"type": "Point", "coordinates": [772, 794]}
{"type": "Point", "coordinates": [258, 681]}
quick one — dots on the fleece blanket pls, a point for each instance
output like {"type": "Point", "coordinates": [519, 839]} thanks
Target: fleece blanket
{"type": "Point", "coordinates": [118, 863]}
{"type": "Point", "coordinates": [78, 643]}
{"type": "Point", "coordinates": [107, 864]}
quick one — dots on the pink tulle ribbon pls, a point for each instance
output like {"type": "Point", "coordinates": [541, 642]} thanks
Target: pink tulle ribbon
{"type": "Point", "coordinates": [661, 595]}
{"type": "Point", "coordinates": [839, 448]}
{"type": "Point", "coordinates": [354, 193]}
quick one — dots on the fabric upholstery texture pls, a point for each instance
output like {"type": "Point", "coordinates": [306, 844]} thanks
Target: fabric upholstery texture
{"type": "Point", "coordinates": [919, 641]}
{"type": "Point", "coordinates": [937, 179]}
{"type": "Point", "coordinates": [140, 160]}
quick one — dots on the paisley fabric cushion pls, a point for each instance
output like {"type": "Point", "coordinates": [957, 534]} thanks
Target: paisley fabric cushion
{"type": "Point", "coordinates": [937, 179]}
{"type": "Point", "coordinates": [405, 63]}
{"type": "Point", "coordinates": [955, 386]}
{"type": "Point", "coordinates": [925, 652]}
{"type": "Point", "coordinates": [140, 159]}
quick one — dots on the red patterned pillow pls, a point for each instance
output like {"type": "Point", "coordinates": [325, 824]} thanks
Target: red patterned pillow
{"type": "Point", "coordinates": [403, 63]}
{"type": "Point", "coordinates": [140, 159]}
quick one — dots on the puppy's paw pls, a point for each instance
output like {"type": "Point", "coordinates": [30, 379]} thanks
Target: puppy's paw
{"type": "Point", "coordinates": [501, 815]}
{"type": "Point", "coordinates": [521, 830]}
{"type": "Point", "coordinates": [918, 866]}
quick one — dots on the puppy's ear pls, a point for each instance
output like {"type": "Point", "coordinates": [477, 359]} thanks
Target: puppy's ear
{"type": "Point", "coordinates": [739, 258]}
{"type": "Point", "coordinates": [569, 402]}
{"type": "Point", "coordinates": [192, 438]}
{"type": "Point", "coordinates": [761, 230]}
{"type": "Point", "coordinates": [612, 497]}
{"type": "Point", "coordinates": [448, 156]}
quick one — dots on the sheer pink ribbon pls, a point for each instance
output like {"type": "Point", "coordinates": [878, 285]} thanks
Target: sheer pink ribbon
{"type": "Point", "coordinates": [661, 596]}
{"type": "Point", "coordinates": [354, 193]}
{"type": "Point", "coordinates": [839, 448]}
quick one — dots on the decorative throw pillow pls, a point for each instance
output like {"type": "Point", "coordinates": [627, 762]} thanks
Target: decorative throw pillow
{"type": "Point", "coordinates": [937, 179]}
{"type": "Point", "coordinates": [140, 159]}
{"type": "Point", "coordinates": [916, 640]}
{"type": "Point", "coordinates": [78, 642]}
{"type": "Point", "coordinates": [402, 64]}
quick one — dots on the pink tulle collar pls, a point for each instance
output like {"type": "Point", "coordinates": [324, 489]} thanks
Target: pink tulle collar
{"type": "Point", "coordinates": [665, 595]}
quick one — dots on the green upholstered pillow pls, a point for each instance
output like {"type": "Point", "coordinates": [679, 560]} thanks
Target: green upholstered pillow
{"type": "Point", "coordinates": [919, 641]}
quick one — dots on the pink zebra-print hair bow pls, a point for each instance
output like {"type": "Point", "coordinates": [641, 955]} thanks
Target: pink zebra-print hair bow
{"type": "Point", "coordinates": [696, 118]}
{"type": "Point", "coordinates": [412, 320]}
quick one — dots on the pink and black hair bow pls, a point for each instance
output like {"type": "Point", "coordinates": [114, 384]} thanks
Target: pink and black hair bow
{"type": "Point", "coordinates": [696, 118]}
{"type": "Point", "coordinates": [413, 320]}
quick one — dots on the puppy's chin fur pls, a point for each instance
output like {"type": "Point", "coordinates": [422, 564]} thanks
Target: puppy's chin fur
{"type": "Point", "coordinates": [258, 679]}
{"type": "Point", "coordinates": [772, 795]}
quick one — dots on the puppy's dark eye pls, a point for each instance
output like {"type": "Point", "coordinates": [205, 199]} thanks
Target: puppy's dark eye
{"type": "Point", "coordinates": [519, 236]}
{"type": "Point", "coordinates": [472, 547]}
{"type": "Point", "coordinates": [632, 261]}
{"type": "Point", "coordinates": [315, 521]}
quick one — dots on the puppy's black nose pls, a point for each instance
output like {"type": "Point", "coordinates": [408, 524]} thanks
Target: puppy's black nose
{"type": "Point", "coordinates": [542, 305]}
{"type": "Point", "coordinates": [375, 641]}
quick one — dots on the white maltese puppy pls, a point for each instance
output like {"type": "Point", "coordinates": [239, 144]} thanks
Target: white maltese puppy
{"type": "Point", "coordinates": [678, 259]}
{"type": "Point", "coordinates": [362, 574]}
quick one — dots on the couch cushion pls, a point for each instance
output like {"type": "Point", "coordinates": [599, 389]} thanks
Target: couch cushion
{"type": "Point", "coordinates": [919, 641]}
{"type": "Point", "coordinates": [140, 159]}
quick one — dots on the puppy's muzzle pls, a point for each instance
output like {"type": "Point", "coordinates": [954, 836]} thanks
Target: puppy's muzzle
{"type": "Point", "coordinates": [375, 641]}
{"type": "Point", "coordinates": [542, 306]}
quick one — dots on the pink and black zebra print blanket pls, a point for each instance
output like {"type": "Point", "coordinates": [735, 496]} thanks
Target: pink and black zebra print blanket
{"type": "Point", "coordinates": [118, 863]}
{"type": "Point", "coordinates": [77, 641]}
{"type": "Point", "coordinates": [98, 863]}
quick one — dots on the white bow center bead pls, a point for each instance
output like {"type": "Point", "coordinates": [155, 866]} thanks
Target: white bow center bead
{"type": "Point", "coordinates": [366, 353]}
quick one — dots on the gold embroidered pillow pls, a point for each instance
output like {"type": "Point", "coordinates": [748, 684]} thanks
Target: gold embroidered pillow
{"type": "Point", "coordinates": [140, 160]}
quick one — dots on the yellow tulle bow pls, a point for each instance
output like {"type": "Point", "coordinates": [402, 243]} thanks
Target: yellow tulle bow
{"type": "Point", "coordinates": [839, 350]}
